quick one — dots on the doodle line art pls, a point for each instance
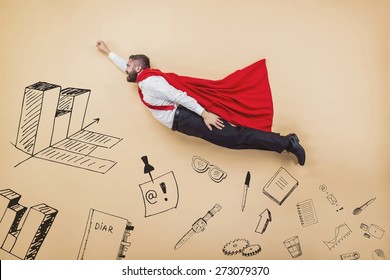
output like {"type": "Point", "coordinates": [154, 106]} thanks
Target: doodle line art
{"type": "Point", "coordinates": [373, 230]}
{"type": "Point", "coordinates": [105, 237]}
{"type": "Point", "coordinates": [23, 238]}
{"type": "Point", "coordinates": [280, 186]}
{"type": "Point", "coordinates": [359, 209]}
{"type": "Point", "coordinates": [341, 232]}
{"type": "Point", "coordinates": [245, 192]}
{"type": "Point", "coordinates": [306, 212]}
{"type": "Point", "coordinates": [201, 165]}
{"type": "Point", "coordinates": [265, 218]}
{"type": "Point", "coordinates": [51, 127]}
{"type": "Point", "coordinates": [241, 246]}
{"type": "Point", "coordinates": [378, 254]}
{"type": "Point", "coordinates": [198, 226]}
{"type": "Point", "coordinates": [330, 197]}
{"type": "Point", "coordinates": [350, 256]}
{"type": "Point", "coordinates": [293, 246]}
{"type": "Point", "coordinates": [161, 194]}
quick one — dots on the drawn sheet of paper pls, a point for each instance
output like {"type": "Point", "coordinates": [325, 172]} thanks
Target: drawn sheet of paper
{"type": "Point", "coordinates": [306, 212]}
{"type": "Point", "coordinates": [160, 195]}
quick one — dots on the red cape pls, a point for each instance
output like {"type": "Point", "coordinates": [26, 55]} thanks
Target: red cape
{"type": "Point", "coordinates": [242, 98]}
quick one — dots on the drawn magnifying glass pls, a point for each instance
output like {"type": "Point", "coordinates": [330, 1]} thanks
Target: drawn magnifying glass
{"type": "Point", "coordinates": [359, 209]}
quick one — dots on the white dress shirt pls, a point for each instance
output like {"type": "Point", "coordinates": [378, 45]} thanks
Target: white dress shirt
{"type": "Point", "coordinates": [158, 92]}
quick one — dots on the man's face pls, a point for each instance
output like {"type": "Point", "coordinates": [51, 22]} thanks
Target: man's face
{"type": "Point", "coordinates": [132, 71]}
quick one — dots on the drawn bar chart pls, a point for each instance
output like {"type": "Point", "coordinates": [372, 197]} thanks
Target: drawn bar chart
{"type": "Point", "coordinates": [51, 127]}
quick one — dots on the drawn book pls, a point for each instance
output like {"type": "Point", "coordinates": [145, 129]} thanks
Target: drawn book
{"type": "Point", "coordinates": [105, 237]}
{"type": "Point", "coordinates": [280, 186]}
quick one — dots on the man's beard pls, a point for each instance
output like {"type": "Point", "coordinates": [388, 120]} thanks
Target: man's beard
{"type": "Point", "coordinates": [132, 77]}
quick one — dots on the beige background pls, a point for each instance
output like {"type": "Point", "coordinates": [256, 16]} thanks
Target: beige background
{"type": "Point", "coordinates": [328, 65]}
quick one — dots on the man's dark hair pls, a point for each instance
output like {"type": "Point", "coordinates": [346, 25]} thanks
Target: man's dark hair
{"type": "Point", "coordinates": [142, 59]}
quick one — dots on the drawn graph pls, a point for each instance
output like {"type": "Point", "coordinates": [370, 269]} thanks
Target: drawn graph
{"type": "Point", "coordinates": [340, 233]}
{"type": "Point", "coordinates": [51, 127]}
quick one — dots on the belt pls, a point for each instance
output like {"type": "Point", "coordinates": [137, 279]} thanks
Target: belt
{"type": "Point", "coordinates": [176, 118]}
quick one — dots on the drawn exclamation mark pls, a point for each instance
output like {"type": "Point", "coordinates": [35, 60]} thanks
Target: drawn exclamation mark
{"type": "Point", "coordinates": [164, 189]}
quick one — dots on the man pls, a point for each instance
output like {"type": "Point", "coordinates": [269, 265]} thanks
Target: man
{"type": "Point", "coordinates": [235, 112]}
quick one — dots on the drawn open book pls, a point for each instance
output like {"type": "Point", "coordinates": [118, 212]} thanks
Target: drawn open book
{"type": "Point", "coordinates": [280, 186]}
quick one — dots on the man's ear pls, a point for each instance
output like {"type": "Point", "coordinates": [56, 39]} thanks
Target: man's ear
{"type": "Point", "coordinates": [138, 68]}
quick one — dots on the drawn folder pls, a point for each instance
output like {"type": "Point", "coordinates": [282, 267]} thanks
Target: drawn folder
{"type": "Point", "coordinates": [280, 186]}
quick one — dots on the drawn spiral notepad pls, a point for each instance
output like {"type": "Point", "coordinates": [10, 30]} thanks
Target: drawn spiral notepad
{"type": "Point", "coordinates": [280, 186]}
{"type": "Point", "coordinates": [306, 212]}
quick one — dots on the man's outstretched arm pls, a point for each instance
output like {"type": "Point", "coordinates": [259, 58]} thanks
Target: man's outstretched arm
{"type": "Point", "coordinates": [117, 60]}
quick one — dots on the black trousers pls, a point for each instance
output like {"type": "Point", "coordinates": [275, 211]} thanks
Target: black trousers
{"type": "Point", "coordinates": [233, 137]}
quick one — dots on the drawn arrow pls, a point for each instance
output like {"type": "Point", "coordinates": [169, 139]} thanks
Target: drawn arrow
{"type": "Point", "coordinates": [94, 121]}
{"type": "Point", "coordinates": [265, 218]}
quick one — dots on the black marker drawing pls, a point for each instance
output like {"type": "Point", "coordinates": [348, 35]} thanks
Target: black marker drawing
{"type": "Point", "coordinates": [51, 127]}
{"type": "Point", "coordinates": [358, 210]}
{"type": "Point", "coordinates": [105, 237]}
{"type": "Point", "coordinates": [198, 226]}
{"type": "Point", "coordinates": [378, 254]}
{"type": "Point", "coordinates": [372, 230]}
{"type": "Point", "coordinates": [265, 218]}
{"type": "Point", "coordinates": [235, 247]}
{"type": "Point", "coordinates": [293, 246]}
{"type": "Point", "coordinates": [350, 256]}
{"type": "Point", "coordinates": [280, 186]}
{"type": "Point", "coordinates": [330, 197]}
{"type": "Point", "coordinates": [201, 165]}
{"type": "Point", "coordinates": [340, 233]}
{"type": "Point", "coordinates": [307, 214]}
{"type": "Point", "coordinates": [246, 187]}
{"type": "Point", "coordinates": [147, 168]}
{"type": "Point", "coordinates": [160, 195]}
{"type": "Point", "coordinates": [251, 250]}
{"type": "Point", "coordinates": [241, 246]}
{"type": "Point", "coordinates": [23, 238]}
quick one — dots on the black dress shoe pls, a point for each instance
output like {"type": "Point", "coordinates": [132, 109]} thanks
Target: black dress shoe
{"type": "Point", "coordinates": [295, 148]}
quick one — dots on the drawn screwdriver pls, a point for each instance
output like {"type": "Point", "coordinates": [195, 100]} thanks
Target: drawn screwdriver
{"type": "Point", "coordinates": [147, 168]}
{"type": "Point", "coordinates": [359, 209]}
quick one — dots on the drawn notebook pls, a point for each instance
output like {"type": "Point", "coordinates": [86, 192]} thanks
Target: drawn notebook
{"type": "Point", "coordinates": [280, 186]}
{"type": "Point", "coordinates": [105, 237]}
{"type": "Point", "coordinates": [306, 212]}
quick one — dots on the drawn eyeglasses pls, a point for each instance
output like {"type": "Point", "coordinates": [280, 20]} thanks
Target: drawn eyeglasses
{"type": "Point", "coordinates": [201, 165]}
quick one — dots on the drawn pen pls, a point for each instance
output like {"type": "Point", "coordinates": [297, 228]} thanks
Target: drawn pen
{"type": "Point", "coordinates": [246, 187]}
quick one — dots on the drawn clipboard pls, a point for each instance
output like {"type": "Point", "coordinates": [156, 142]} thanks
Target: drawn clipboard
{"type": "Point", "coordinates": [280, 186]}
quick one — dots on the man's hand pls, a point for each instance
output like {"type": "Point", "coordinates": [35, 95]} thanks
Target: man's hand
{"type": "Point", "coordinates": [211, 119]}
{"type": "Point", "coordinates": [102, 47]}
